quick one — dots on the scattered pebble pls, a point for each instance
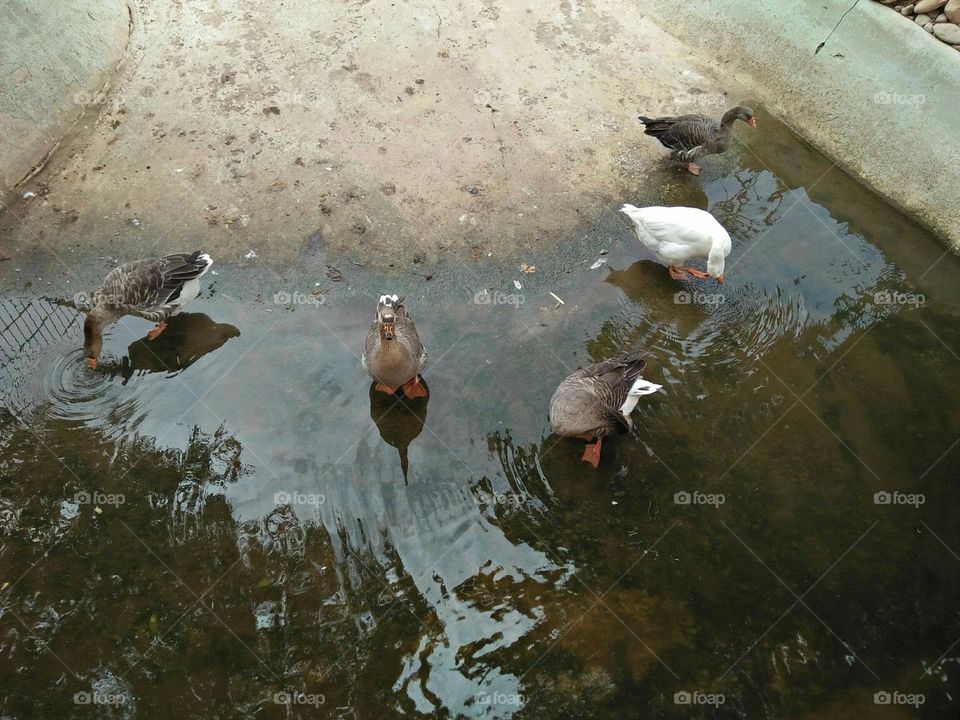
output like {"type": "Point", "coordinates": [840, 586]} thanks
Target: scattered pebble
{"type": "Point", "coordinates": [600, 262]}
{"type": "Point", "coordinates": [948, 32]}
{"type": "Point", "coordinates": [250, 255]}
{"type": "Point", "coordinates": [29, 194]}
{"type": "Point", "coordinates": [940, 18]}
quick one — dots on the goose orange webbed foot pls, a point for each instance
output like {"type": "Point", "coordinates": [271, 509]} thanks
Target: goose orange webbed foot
{"type": "Point", "coordinates": [693, 168]}
{"type": "Point", "coordinates": [380, 387]}
{"type": "Point", "coordinates": [414, 388]}
{"type": "Point", "coordinates": [155, 333]}
{"type": "Point", "coordinates": [697, 273]}
{"type": "Point", "coordinates": [591, 454]}
{"type": "Point", "coordinates": [677, 273]}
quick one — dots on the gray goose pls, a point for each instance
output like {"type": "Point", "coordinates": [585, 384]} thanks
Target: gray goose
{"type": "Point", "coordinates": [393, 354]}
{"type": "Point", "coordinates": [693, 136]}
{"type": "Point", "coordinates": [154, 289]}
{"type": "Point", "coordinates": [597, 400]}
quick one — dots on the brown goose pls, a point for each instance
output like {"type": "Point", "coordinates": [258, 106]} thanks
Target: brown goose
{"type": "Point", "coordinates": [393, 354]}
{"type": "Point", "coordinates": [152, 289]}
{"type": "Point", "coordinates": [693, 136]}
{"type": "Point", "coordinates": [597, 400]}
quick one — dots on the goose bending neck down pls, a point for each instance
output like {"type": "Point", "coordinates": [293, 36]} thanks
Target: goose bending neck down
{"type": "Point", "coordinates": [676, 235]}
{"type": "Point", "coordinates": [153, 289]}
{"type": "Point", "coordinates": [597, 401]}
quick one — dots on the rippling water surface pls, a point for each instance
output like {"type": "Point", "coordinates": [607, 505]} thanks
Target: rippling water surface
{"type": "Point", "coordinates": [229, 522]}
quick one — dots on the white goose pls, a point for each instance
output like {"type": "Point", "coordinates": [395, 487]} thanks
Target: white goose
{"type": "Point", "coordinates": [678, 234]}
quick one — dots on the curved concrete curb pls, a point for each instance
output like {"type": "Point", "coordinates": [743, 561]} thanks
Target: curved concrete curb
{"type": "Point", "coordinates": [55, 59]}
{"type": "Point", "coordinates": [880, 98]}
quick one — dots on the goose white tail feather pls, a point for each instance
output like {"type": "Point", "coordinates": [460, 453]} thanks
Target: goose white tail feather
{"type": "Point", "coordinates": [642, 387]}
{"type": "Point", "coordinates": [639, 388]}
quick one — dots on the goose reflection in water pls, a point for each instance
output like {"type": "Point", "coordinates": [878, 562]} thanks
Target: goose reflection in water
{"type": "Point", "coordinates": [399, 420]}
{"type": "Point", "coordinates": [188, 337]}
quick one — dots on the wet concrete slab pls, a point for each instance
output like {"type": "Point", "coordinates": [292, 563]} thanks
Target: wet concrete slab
{"type": "Point", "coordinates": [385, 132]}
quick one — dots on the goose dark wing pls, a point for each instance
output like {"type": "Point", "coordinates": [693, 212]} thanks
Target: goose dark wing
{"type": "Point", "coordinates": [612, 380]}
{"type": "Point", "coordinates": [686, 134]}
{"type": "Point", "coordinates": [145, 284]}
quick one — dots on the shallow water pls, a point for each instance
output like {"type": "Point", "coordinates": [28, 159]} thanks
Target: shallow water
{"type": "Point", "coordinates": [229, 522]}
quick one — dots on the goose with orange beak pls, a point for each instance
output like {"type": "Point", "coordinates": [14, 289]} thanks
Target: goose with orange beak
{"type": "Point", "coordinates": [693, 136]}
{"type": "Point", "coordinates": [393, 354]}
{"type": "Point", "coordinates": [153, 289]}
{"type": "Point", "coordinates": [677, 235]}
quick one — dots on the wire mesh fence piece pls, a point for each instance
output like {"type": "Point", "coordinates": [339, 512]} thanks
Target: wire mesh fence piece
{"type": "Point", "coordinates": [28, 329]}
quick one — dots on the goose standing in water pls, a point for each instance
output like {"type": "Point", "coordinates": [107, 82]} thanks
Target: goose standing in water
{"type": "Point", "coordinates": [597, 400]}
{"type": "Point", "coordinates": [393, 354]}
{"type": "Point", "coordinates": [153, 289]}
{"type": "Point", "coordinates": [678, 234]}
{"type": "Point", "coordinates": [693, 136]}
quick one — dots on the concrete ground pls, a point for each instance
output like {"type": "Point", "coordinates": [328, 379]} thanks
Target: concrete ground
{"type": "Point", "coordinates": [391, 133]}
{"type": "Point", "coordinates": [386, 131]}
{"type": "Point", "coordinates": [881, 98]}
{"type": "Point", "coordinates": [49, 73]}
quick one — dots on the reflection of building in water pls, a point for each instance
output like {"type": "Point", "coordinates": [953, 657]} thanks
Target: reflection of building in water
{"type": "Point", "coordinates": [433, 549]}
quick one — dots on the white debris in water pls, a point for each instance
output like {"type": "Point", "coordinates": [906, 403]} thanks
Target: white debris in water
{"type": "Point", "coordinates": [29, 194]}
{"type": "Point", "coordinates": [250, 255]}
{"type": "Point", "coordinates": [135, 222]}
{"type": "Point", "coordinates": [598, 263]}
{"type": "Point", "coordinates": [267, 615]}
{"type": "Point", "coordinates": [517, 285]}
{"type": "Point", "coordinates": [69, 509]}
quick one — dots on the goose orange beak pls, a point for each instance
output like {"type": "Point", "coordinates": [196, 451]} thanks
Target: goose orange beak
{"type": "Point", "coordinates": [752, 122]}
{"type": "Point", "coordinates": [92, 363]}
